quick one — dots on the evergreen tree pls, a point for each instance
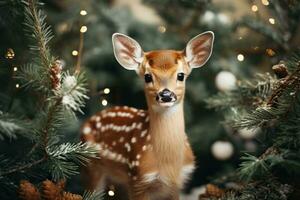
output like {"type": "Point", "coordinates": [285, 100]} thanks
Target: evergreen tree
{"type": "Point", "coordinates": [55, 96]}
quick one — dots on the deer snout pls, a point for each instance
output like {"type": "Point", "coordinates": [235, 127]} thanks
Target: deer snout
{"type": "Point", "coordinates": [166, 96]}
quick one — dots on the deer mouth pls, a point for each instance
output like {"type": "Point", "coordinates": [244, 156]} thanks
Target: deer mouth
{"type": "Point", "coordinates": [166, 102]}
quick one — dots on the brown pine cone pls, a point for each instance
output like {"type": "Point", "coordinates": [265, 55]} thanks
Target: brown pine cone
{"type": "Point", "coordinates": [214, 190]}
{"type": "Point", "coordinates": [55, 74]}
{"type": "Point", "coordinates": [61, 184]}
{"type": "Point", "coordinates": [280, 70]}
{"type": "Point", "coordinates": [70, 196]}
{"type": "Point", "coordinates": [27, 191]}
{"type": "Point", "coordinates": [50, 191]}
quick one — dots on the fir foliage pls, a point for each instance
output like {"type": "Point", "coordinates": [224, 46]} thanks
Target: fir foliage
{"type": "Point", "coordinates": [60, 95]}
{"type": "Point", "coordinates": [273, 105]}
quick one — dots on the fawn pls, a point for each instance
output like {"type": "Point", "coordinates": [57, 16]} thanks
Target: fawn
{"type": "Point", "coordinates": [147, 151]}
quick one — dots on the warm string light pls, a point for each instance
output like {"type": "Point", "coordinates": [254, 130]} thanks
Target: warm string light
{"type": "Point", "coordinates": [83, 29]}
{"type": "Point", "coordinates": [111, 193]}
{"type": "Point", "coordinates": [74, 53]}
{"type": "Point", "coordinates": [254, 8]}
{"type": "Point", "coordinates": [15, 69]}
{"type": "Point", "coordinates": [17, 85]}
{"type": "Point", "coordinates": [265, 2]}
{"type": "Point", "coordinates": [104, 102]}
{"type": "Point", "coordinates": [272, 20]}
{"type": "Point", "coordinates": [270, 52]}
{"type": "Point", "coordinates": [106, 91]}
{"type": "Point", "coordinates": [162, 29]}
{"type": "Point", "coordinates": [10, 54]}
{"type": "Point", "coordinates": [83, 12]}
{"type": "Point", "coordinates": [240, 57]}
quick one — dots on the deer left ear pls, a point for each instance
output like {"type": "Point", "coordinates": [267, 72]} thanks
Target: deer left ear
{"type": "Point", "coordinates": [199, 49]}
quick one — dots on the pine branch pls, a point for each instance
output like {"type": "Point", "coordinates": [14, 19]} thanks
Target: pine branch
{"type": "Point", "coordinates": [10, 126]}
{"type": "Point", "coordinates": [39, 31]}
{"type": "Point", "coordinates": [65, 158]}
{"type": "Point", "coordinates": [87, 195]}
{"type": "Point", "coordinates": [250, 166]}
{"type": "Point", "coordinates": [291, 80]}
{"type": "Point", "coordinates": [22, 167]}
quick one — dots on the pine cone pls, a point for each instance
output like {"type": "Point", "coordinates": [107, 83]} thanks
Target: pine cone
{"type": "Point", "coordinates": [50, 191]}
{"type": "Point", "coordinates": [55, 74]}
{"type": "Point", "coordinates": [27, 191]}
{"type": "Point", "coordinates": [70, 196]}
{"type": "Point", "coordinates": [212, 191]}
{"type": "Point", "coordinates": [280, 70]}
{"type": "Point", "coordinates": [61, 184]}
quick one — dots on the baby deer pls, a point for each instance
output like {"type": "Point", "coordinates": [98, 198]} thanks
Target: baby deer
{"type": "Point", "coordinates": [147, 151]}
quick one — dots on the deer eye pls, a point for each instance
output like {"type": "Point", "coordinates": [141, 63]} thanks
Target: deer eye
{"type": "Point", "coordinates": [180, 76]}
{"type": "Point", "coordinates": [148, 78]}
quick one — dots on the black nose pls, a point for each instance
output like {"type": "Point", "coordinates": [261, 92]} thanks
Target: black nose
{"type": "Point", "coordinates": [166, 95]}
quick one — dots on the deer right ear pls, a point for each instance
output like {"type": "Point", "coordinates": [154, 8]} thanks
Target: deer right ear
{"type": "Point", "coordinates": [127, 51]}
{"type": "Point", "coordinates": [198, 50]}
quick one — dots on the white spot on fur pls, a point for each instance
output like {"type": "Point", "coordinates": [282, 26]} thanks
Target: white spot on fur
{"type": "Point", "coordinates": [147, 119]}
{"type": "Point", "coordinates": [148, 137]}
{"type": "Point", "coordinates": [143, 133]}
{"type": "Point", "coordinates": [139, 126]}
{"type": "Point", "coordinates": [133, 140]}
{"type": "Point", "coordinates": [138, 156]}
{"type": "Point", "coordinates": [98, 125]}
{"type": "Point", "coordinates": [133, 109]}
{"type": "Point", "coordinates": [144, 148]}
{"type": "Point", "coordinates": [121, 139]}
{"type": "Point", "coordinates": [128, 147]}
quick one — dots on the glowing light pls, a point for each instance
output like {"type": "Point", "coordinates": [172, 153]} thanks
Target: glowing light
{"type": "Point", "coordinates": [15, 69]}
{"type": "Point", "coordinates": [83, 12]}
{"type": "Point", "coordinates": [265, 2]}
{"type": "Point", "coordinates": [17, 85]}
{"type": "Point", "coordinates": [83, 29]}
{"type": "Point", "coordinates": [272, 20]}
{"type": "Point", "coordinates": [240, 57]}
{"type": "Point", "coordinates": [240, 38]}
{"type": "Point", "coordinates": [270, 52]}
{"type": "Point", "coordinates": [111, 193]}
{"type": "Point", "coordinates": [74, 53]}
{"type": "Point", "coordinates": [162, 29]}
{"type": "Point", "coordinates": [106, 91]}
{"type": "Point", "coordinates": [254, 8]}
{"type": "Point", "coordinates": [104, 102]}
{"type": "Point", "coordinates": [10, 54]}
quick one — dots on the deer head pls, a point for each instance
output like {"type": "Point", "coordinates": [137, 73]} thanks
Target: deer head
{"type": "Point", "coordinates": [164, 71]}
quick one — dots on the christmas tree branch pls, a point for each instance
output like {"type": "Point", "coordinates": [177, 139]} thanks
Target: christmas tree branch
{"type": "Point", "coordinates": [41, 32]}
{"type": "Point", "coordinates": [293, 79]}
{"type": "Point", "coordinates": [23, 167]}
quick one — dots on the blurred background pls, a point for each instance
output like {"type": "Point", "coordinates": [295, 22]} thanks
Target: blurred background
{"type": "Point", "coordinates": [250, 37]}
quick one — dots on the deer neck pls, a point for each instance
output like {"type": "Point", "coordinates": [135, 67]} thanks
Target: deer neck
{"type": "Point", "coordinates": [168, 135]}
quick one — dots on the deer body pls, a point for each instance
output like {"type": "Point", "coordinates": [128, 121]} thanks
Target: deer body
{"type": "Point", "coordinates": [147, 151]}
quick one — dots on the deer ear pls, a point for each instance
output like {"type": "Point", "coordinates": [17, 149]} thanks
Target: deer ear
{"type": "Point", "coordinates": [127, 51]}
{"type": "Point", "coordinates": [199, 49]}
